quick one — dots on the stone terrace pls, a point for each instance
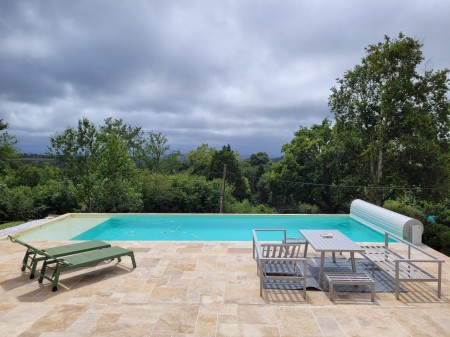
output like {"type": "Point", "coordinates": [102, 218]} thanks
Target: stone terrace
{"type": "Point", "coordinates": [201, 289]}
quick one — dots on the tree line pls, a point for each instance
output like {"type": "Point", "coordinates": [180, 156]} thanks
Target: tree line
{"type": "Point", "coordinates": [388, 144]}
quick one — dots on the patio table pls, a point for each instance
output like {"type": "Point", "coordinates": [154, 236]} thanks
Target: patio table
{"type": "Point", "coordinates": [331, 241]}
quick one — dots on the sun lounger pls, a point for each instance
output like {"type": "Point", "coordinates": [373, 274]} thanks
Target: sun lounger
{"type": "Point", "coordinates": [89, 258]}
{"type": "Point", "coordinates": [32, 255]}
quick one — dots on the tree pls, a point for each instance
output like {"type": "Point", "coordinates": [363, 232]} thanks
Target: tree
{"type": "Point", "coordinates": [131, 136]}
{"type": "Point", "coordinates": [78, 150]}
{"type": "Point", "coordinates": [7, 147]}
{"type": "Point", "coordinates": [258, 159]}
{"type": "Point", "coordinates": [154, 148]}
{"type": "Point", "coordinates": [116, 188]}
{"type": "Point", "coordinates": [199, 160]}
{"type": "Point", "coordinates": [397, 115]}
{"type": "Point", "coordinates": [307, 171]}
{"type": "Point", "coordinates": [253, 168]}
{"type": "Point", "coordinates": [171, 162]}
{"type": "Point", "coordinates": [234, 174]}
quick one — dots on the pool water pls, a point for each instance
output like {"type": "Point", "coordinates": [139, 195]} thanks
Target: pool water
{"type": "Point", "coordinates": [220, 227]}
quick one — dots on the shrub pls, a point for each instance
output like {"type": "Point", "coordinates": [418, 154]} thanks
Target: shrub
{"type": "Point", "coordinates": [405, 209]}
{"type": "Point", "coordinates": [305, 208]}
{"type": "Point", "coordinates": [245, 207]}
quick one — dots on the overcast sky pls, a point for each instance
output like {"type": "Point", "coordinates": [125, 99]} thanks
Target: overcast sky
{"type": "Point", "coordinates": [247, 73]}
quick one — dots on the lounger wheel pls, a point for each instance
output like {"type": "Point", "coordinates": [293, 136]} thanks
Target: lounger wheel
{"type": "Point", "coordinates": [32, 276]}
{"type": "Point", "coordinates": [54, 288]}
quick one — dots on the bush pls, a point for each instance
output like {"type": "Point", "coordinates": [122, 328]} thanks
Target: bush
{"type": "Point", "coordinates": [182, 193]}
{"type": "Point", "coordinates": [57, 197]}
{"type": "Point", "coordinates": [439, 211]}
{"type": "Point", "coordinates": [16, 203]}
{"type": "Point", "coordinates": [245, 207]}
{"type": "Point", "coordinates": [402, 208]}
{"type": "Point", "coordinates": [304, 208]}
{"type": "Point", "coordinates": [437, 236]}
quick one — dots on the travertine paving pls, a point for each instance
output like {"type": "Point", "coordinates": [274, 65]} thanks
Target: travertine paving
{"type": "Point", "coordinates": [201, 289]}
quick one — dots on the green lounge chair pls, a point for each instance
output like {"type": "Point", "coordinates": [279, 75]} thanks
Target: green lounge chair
{"type": "Point", "coordinates": [81, 260]}
{"type": "Point", "coordinates": [32, 255]}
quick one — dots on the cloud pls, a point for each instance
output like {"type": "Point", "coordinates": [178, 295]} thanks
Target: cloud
{"type": "Point", "coordinates": [247, 73]}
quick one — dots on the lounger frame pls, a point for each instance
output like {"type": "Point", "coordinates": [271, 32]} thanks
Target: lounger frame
{"type": "Point", "coordinates": [34, 255]}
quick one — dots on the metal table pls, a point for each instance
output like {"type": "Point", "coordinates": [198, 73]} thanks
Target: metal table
{"type": "Point", "coordinates": [332, 241]}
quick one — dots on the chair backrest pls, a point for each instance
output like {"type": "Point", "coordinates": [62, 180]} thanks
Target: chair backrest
{"type": "Point", "coordinates": [280, 250]}
{"type": "Point", "coordinates": [30, 247]}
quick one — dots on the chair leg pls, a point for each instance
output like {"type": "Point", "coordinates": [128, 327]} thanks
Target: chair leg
{"type": "Point", "coordinates": [55, 280]}
{"type": "Point", "coordinates": [331, 286]}
{"type": "Point", "coordinates": [33, 267]}
{"type": "Point", "coordinates": [25, 260]}
{"type": "Point", "coordinates": [133, 261]}
{"type": "Point", "coordinates": [44, 267]}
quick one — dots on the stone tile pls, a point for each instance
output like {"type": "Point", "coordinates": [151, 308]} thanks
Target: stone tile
{"type": "Point", "coordinates": [23, 312]}
{"type": "Point", "coordinates": [13, 329]}
{"type": "Point", "coordinates": [206, 324]}
{"type": "Point", "coordinates": [329, 326]}
{"type": "Point", "coordinates": [178, 319]}
{"type": "Point", "coordinates": [84, 323]}
{"type": "Point", "coordinates": [59, 318]}
{"type": "Point", "coordinates": [168, 295]}
{"type": "Point", "coordinates": [247, 330]}
{"type": "Point", "coordinates": [256, 314]}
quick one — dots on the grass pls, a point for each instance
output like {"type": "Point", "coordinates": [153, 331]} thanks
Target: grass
{"type": "Point", "coordinates": [11, 224]}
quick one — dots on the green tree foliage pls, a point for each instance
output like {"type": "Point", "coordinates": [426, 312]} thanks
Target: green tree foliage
{"type": "Point", "coordinates": [132, 137]}
{"type": "Point", "coordinates": [17, 203]}
{"type": "Point", "coordinates": [154, 148]}
{"type": "Point", "coordinates": [171, 163]}
{"type": "Point", "coordinates": [181, 193]}
{"type": "Point", "coordinates": [8, 151]}
{"type": "Point", "coordinates": [396, 117]}
{"type": "Point", "coordinates": [116, 188]}
{"type": "Point", "coordinates": [100, 165]}
{"type": "Point", "coordinates": [434, 216]}
{"type": "Point", "coordinates": [78, 150]}
{"type": "Point", "coordinates": [199, 160]}
{"type": "Point", "coordinates": [246, 207]}
{"type": "Point", "coordinates": [234, 174]}
{"type": "Point", "coordinates": [28, 175]}
{"type": "Point", "coordinates": [306, 172]}
{"type": "Point", "coordinates": [55, 197]}
{"type": "Point", "coordinates": [253, 169]}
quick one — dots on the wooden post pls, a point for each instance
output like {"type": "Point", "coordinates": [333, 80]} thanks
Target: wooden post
{"type": "Point", "coordinates": [222, 195]}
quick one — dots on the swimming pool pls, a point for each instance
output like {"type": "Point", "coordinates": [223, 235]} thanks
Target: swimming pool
{"type": "Point", "coordinates": [195, 227]}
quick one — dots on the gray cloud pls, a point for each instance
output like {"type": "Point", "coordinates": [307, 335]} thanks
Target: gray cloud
{"type": "Point", "coordinates": [247, 73]}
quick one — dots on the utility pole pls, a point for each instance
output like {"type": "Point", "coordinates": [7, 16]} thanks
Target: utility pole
{"type": "Point", "coordinates": [222, 195]}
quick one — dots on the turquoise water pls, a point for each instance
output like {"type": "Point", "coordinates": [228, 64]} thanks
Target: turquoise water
{"type": "Point", "coordinates": [220, 227]}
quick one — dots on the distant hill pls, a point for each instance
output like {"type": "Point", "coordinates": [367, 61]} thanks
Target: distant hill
{"type": "Point", "coordinates": [36, 159]}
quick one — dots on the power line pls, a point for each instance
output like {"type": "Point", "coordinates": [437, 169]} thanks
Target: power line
{"type": "Point", "coordinates": [343, 186]}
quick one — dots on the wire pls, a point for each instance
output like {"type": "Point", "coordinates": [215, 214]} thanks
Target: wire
{"type": "Point", "coordinates": [386, 187]}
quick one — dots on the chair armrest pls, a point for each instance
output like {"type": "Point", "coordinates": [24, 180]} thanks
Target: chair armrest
{"type": "Point", "coordinates": [419, 260]}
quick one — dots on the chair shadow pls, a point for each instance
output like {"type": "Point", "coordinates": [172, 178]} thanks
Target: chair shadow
{"type": "Point", "coordinates": [17, 282]}
{"type": "Point", "coordinates": [72, 283]}
{"type": "Point", "coordinates": [275, 296]}
{"type": "Point", "coordinates": [420, 292]}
